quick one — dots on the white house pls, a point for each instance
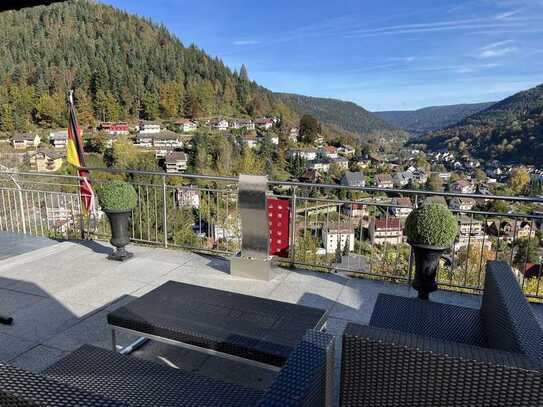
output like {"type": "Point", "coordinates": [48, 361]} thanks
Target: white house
{"type": "Point", "coordinates": [341, 235]}
{"type": "Point", "coordinates": [305, 153]}
{"type": "Point", "coordinates": [403, 207]}
{"type": "Point", "coordinates": [167, 140]}
{"type": "Point", "coordinates": [150, 127]}
{"type": "Point", "coordinates": [220, 124]}
{"type": "Point", "coordinates": [265, 123]}
{"type": "Point", "coordinates": [328, 152]}
{"type": "Point", "coordinates": [249, 140]}
{"type": "Point", "coordinates": [27, 140]}
{"type": "Point", "coordinates": [59, 138]}
{"type": "Point", "coordinates": [319, 165]}
{"type": "Point", "coordinates": [463, 187]}
{"type": "Point", "coordinates": [188, 197]}
{"type": "Point", "coordinates": [176, 161]}
{"type": "Point", "coordinates": [462, 204]}
{"type": "Point", "coordinates": [243, 124]}
{"type": "Point", "coordinates": [387, 230]}
{"type": "Point", "coordinates": [144, 140]}
{"type": "Point", "coordinates": [383, 181]}
{"type": "Point", "coordinates": [346, 150]}
{"type": "Point", "coordinates": [293, 134]}
{"type": "Point", "coordinates": [186, 125]}
{"type": "Point", "coordinates": [341, 162]}
{"type": "Point", "coordinates": [355, 210]}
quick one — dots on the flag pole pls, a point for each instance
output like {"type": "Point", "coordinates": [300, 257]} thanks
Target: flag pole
{"type": "Point", "coordinates": [75, 156]}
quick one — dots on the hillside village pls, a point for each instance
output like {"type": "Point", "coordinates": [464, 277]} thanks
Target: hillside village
{"type": "Point", "coordinates": [374, 215]}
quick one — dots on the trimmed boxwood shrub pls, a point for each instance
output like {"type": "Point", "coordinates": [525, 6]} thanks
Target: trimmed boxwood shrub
{"type": "Point", "coordinates": [432, 224]}
{"type": "Point", "coordinates": [117, 196]}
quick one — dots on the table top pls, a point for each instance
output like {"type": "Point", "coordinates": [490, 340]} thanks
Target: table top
{"type": "Point", "coordinates": [251, 327]}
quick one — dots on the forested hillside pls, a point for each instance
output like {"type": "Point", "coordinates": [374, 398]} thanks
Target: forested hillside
{"type": "Point", "coordinates": [121, 66]}
{"type": "Point", "coordinates": [418, 122]}
{"type": "Point", "coordinates": [345, 115]}
{"type": "Point", "coordinates": [126, 67]}
{"type": "Point", "coordinates": [510, 130]}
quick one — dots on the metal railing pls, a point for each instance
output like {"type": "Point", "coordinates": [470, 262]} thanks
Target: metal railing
{"type": "Point", "coordinates": [332, 227]}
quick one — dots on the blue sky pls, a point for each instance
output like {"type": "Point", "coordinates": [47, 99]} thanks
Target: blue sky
{"type": "Point", "coordinates": [383, 55]}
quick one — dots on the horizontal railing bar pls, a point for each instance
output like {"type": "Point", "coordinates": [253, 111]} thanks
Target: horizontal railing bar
{"type": "Point", "coordinates": [406, 191]}
{"type": "Point", "coordinates": [290, 184]}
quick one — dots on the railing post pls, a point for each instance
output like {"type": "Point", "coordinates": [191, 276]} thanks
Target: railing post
{"type": "Point", "coordinates": [293, 228]}
{"type": "Point", "coordinates": [21, 204]}
{"type": "Point", "coordinates": [80, 205]}
{"type": "Point", "coordinates": [165, 212]}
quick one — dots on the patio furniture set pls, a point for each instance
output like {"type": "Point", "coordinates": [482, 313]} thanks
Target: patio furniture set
{"type": "Point", "coordinates": [412, 353]}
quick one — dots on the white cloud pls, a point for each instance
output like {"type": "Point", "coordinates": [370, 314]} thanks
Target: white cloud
{"type": "Point", "coordinates": [246, 42]}
{"type": "Point", "coordinates": [497, 49]}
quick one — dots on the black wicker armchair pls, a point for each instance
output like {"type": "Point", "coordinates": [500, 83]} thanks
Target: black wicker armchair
{"type": "Point", "coordinates": [421, 353]}
{"type": "Point", "coordinates": [93, 376]}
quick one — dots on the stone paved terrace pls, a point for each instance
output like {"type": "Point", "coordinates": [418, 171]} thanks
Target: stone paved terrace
{"type": "Point", "coordinates": [60, 292]}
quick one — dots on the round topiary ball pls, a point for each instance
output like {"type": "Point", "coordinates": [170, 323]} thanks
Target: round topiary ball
{"type": "Point", "coordinates": [117, 196]}
{"type": "Point", "coordinates": [432, 224]}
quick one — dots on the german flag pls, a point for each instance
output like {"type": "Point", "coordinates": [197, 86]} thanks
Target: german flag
{"type": "Point", "coordinates": [75, 156]}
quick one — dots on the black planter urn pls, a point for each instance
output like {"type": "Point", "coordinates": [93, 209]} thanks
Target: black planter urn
{"type": "Point", "coordinates": [118, 220]}
{"type": "Point", "coordinates": [426, 264]}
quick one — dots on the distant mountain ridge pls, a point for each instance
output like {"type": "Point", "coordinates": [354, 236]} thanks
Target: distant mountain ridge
{"type": "Point", "coordinates": [342, 114]}
{"type": "Point", "coordinates": [510, 131]}
{"type": "Point", "coordinates": [418, 122]}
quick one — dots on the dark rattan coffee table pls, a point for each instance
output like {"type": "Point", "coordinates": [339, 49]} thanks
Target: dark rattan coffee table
{"type": "Point", "coordinates": [256, 330]}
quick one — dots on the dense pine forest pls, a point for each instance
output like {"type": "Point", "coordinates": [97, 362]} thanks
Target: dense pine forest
{"type": "Point", "coordinates": [121, 66]}
{"type": "Point", "coordinates": [509, 131]}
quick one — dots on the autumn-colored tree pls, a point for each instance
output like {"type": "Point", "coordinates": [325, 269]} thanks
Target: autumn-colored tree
{"type": "Point", "coordinates": [106, 106]}
{"type": "Point", "coordinates": [518, 181]}
{"type": "Point", "coordinates": [171, 95]}
{"type": "Point", "coordinates": [434, 183]}
{"type": "Point", "coordinates": [310, 128]}
{"type": "Point", "coordinates": [7, 122]}
{"type": "Point", "coordinates": [123, 153]}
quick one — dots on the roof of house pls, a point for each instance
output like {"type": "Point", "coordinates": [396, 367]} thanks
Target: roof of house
{"type": "Point", "coordinates": [264, 120]}
{"type": "Point", "coordinates": [329, 149]}
{"type": "Point", "coordinates": [166, 135]}
{"type": "Point", "coordinates": [184, 121]}
{"type": "Point", "coordinates": [404, 201]}
{"type": "Point", "coordinates": [176, 156]}
{"type": "Point", "coordinates": [353, 179]}
{"type": "Point", "coordinates": [380, 178]}
{"type": "Point", "coordinates": [462, 183]}
{"type": "Point", "coordinates": [388, 224]}
{"type": "Point", "coordinates": [23, 137]}
{"type": "Point", "coordinates": [54, 155]}
{"type": "Point", "coordinates": [465, 201]}
{"type": "Point", "coordinates": [341, 228]}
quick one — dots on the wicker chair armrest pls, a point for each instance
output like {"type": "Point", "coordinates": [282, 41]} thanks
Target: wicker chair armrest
{"type": "Point", "coordinates": [22, 388]}
{"type": "Point", "coordinates": [383, 367]}
{"type": "Point", "coordinates": [306, 378]}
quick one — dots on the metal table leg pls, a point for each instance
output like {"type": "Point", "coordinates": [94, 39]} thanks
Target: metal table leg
{"type": "Point", "coordinates": [113, 340]}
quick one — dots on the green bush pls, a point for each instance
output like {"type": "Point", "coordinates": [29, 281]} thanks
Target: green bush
{"type": "Point", "coordinates": [117, 195]}
{"type": "Point", "coordinates": [432, 224]}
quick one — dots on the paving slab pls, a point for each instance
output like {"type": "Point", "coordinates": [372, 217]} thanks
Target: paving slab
{"type": "Point", "coordinates": [38, 358]}
{"type": "Point", "coordinates": [93, 330]}
{"type": "Point", "coordinates": [98, 291]}
{"type": "Point", "coordinates": [11, 347]}
{"type": "Point", "coordinates": [44, 319]}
